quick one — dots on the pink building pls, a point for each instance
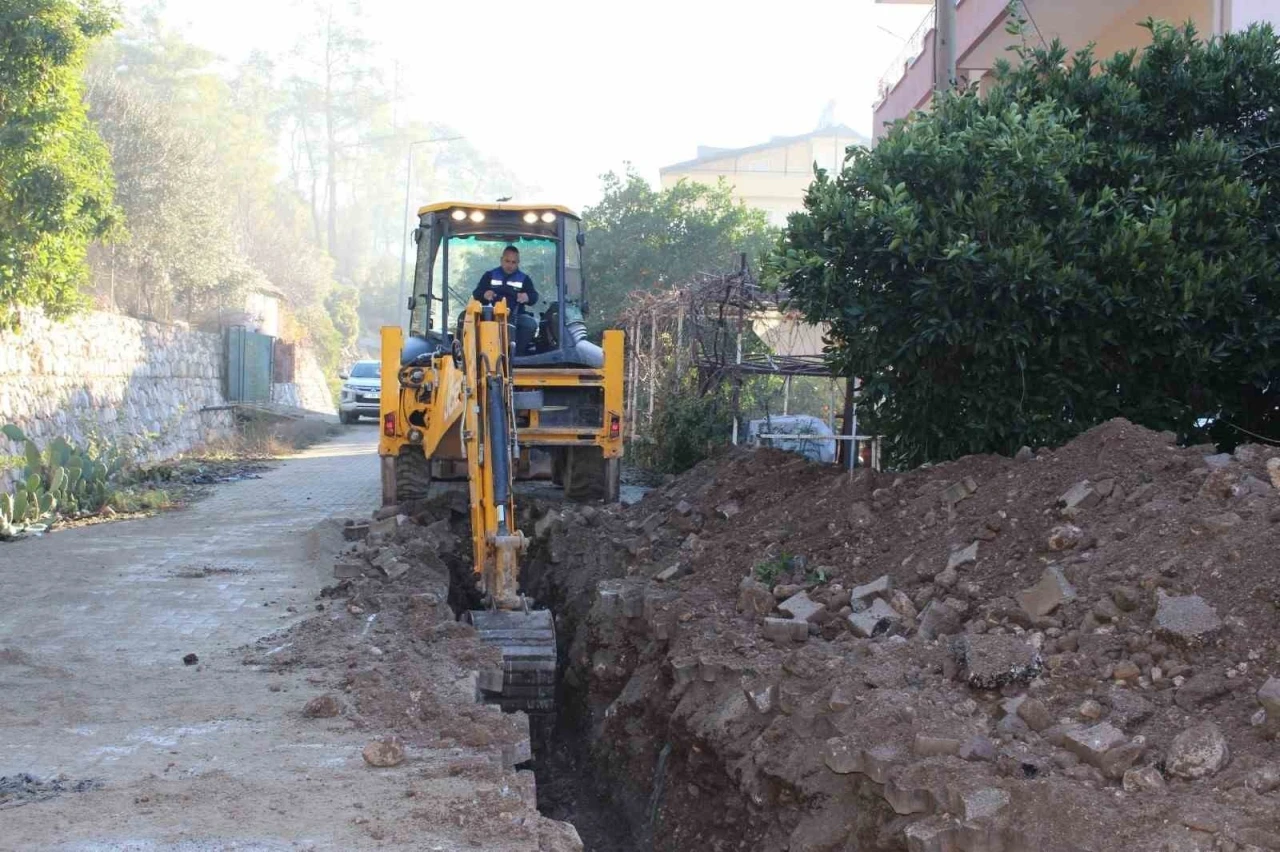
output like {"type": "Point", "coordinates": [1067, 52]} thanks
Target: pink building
{"type": "Point", "coordinates": [1111, 25]}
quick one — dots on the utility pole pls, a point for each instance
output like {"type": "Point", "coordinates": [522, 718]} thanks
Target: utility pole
{"type": "Point", "coordinates": [944, 46]}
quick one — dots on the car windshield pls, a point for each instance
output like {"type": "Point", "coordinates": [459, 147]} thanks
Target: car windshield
{"type": "Point", "coordinates": [367, 370]}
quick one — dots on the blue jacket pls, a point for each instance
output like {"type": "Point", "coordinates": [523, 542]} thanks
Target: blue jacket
{"type": "Point", "coordinates": [507, 287]}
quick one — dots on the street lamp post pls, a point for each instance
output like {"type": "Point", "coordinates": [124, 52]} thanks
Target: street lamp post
{"type": "Point", "coordinates": [408, 185]}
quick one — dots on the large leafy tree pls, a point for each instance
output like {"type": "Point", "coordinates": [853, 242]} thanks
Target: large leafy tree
{"type": "Point", "coordinates": [1084, 242]}
{"type": "Point", "coordinates": [55, 177]}
{"type": "Point", "coordinates": [641, 238]}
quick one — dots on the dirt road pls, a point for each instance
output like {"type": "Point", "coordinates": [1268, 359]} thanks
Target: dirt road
{"type": "Point", "coordinates": [155, 754]}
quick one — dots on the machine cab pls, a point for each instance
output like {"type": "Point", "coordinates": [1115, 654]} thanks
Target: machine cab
{"type": "Point", "coordinates": [458, 242]}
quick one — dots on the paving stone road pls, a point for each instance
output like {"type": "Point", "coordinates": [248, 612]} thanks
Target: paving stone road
{"type": "Point", "coordinates": [94, 624]}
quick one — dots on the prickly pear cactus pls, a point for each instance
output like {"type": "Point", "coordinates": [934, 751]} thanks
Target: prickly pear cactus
{"type": "Point", "coordinates": [63, 479]}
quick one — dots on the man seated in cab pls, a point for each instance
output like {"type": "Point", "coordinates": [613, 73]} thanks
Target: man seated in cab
{"type": "Point", "coordinates": [515, 287]}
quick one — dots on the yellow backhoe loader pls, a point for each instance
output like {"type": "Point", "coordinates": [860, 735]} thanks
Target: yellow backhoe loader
{"type": "Point", "coordinates": [464, 400]}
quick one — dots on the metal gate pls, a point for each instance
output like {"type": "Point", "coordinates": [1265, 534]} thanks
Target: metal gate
{"type": "Point", "coordinates": [250, 365]}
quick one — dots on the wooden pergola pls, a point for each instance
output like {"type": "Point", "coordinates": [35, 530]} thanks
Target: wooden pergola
{"type": "Point", "coordinates": [704, 323]}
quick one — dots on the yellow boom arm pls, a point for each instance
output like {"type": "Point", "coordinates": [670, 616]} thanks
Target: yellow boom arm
{"type": "Point", "coordinates": [470, 409]}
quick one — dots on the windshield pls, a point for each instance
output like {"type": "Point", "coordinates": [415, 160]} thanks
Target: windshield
{"type": "Point", "coordinates": [471, 257]}
{"type": "Point", "coordinates": [367, 370]}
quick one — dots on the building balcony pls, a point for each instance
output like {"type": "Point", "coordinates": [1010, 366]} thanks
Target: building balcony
{"type": "Point", "coordinates": [981, 38]}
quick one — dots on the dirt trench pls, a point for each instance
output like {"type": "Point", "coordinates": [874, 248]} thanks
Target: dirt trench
{"type": "Point", "coordinates": [1076, 649]}
{"type": "Point", "coordinates": [625, 761]}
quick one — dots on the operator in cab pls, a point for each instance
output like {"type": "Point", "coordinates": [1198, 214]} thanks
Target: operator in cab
{"type": "Point", "coordinates": [515, 287]}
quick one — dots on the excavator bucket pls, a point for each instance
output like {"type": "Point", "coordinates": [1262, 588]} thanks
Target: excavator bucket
{"type": "Point", "coordinates": [528, 643]}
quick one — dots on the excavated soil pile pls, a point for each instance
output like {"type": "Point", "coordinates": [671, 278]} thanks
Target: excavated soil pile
{"type": "Point", "coordinates": [397, 664]}
{"type": "Point", "coordinates": [1069, 650]}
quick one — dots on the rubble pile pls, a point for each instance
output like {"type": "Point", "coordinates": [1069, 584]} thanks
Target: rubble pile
{"type": "Point", "coordinates": [1070, 649]}
{"type": "Point", "coordinates": [398, 665]}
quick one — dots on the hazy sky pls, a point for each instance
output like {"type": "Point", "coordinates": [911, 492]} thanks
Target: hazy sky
{"type": "Point", "coordinates": [564, 91]}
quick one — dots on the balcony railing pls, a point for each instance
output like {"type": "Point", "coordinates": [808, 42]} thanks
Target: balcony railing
{"type": "Point", "coordinates": [910, 53]}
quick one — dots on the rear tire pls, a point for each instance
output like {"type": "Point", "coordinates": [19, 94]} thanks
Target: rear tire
{"type": "Point", "coordinates": [413, 475]}
{"type": "Point", "coordinates": [588, 475]}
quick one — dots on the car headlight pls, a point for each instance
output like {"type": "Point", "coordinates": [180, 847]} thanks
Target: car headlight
{"type": "Point", "coordinates": [347, 394]}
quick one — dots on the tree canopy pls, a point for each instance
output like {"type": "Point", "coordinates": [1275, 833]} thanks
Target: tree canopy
{"type": "Point", "coordinates": [641, 238]}
{"type": "Point", "coordinates": [55, 176]}
{"type": "Point", "coordinates": [1085, 241]}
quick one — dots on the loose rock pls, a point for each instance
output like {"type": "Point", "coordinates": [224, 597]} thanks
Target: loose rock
{"type": "Point", "coordinates": [1198, 752]}
{"type": "Point", "coordinates": [1092, 744]}
{"type": "Point", "coordinates": [1146, 779]}
{"type": "Point", "coordinates": [940, 619]}
{"type": "Point", "coordinates": [880, 587]}
{"type": "Point", "coordinates": [1269, 698]}
{"type": "Point", "coordinates": [1189, 620]}
{"type": "Point", "coordinates": [1065, 537]}
{"type": "Point", "coordinates": [1091, 710]}
{"type": "Point", "coordinates": [384, 753]}
{"type": "Point", "coordinates": [1044, 597]}
{"type": "Point", "coordinates": [992, 662]}
{"type": "Point", "coordinates": [1199, 690]}
{"type": "Point", "coordinates": [754, 597]}
{"type": "Point", "coordinates": [322, 707]}
{"type": "Point", "coordinates": [1036, 715]}
{"type": "Point", "coordinates": [1273, 471]}
{"type": "Point", "coordinates": [964, 556]}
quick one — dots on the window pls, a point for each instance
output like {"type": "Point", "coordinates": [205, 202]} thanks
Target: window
{"type": "Point", "coordinates": [573, 286]}
{"type": "Point", "coordinates": [367, 370]}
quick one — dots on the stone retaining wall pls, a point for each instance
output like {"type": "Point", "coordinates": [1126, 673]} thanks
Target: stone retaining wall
{"type": "Point", "coordinates": [111, 377]}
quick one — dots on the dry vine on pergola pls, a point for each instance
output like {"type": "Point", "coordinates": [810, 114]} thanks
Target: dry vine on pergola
{"type": "Point", "coordinates": [702, 323]}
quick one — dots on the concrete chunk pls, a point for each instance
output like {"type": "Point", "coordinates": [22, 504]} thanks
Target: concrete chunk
{"type": "Point", "coordinates": [1218, 462]}
{"type": "Point", "coordinates": [1189, 619]}
{"type": "Point", "coordinates": [880, 587]}
{"type": "Point", "coordinates": [841, 757]}
{"type": "Point", "coordinates": [1080, 496]}
{"type": "Point", "coordinates": [784, 630]}
{"type": "Point", "coordinates": [669, 573]}
{"type": "Point", "coordinates": [802, 607]}
{"type": "Point", "coordinates": [1269, 698]}
{"type": "Point", "coordinates": [927, 746]}
{"type": "Point", "coordinates": [958, 491]}
{"type": "Point", "coordinates": [939, 619]}
{"type": "Point", "coordinates": [1044, 597]}
{"type": "Point", "coordinates": [762, 695]}
{"type": "Point", "coordinates": [964, 556]}
{"type": "Point", "coordinates": [979, 804]}
{"type": "Point", "coordinates": [874, 620]}
{"type": "Point", "coordinates": [993, 661]}
{"type": "Point", "coordinates": [935, 834]}
{"type": "Point", "coordinates": [1092, 744]}
{"type": "Point", "coordinates": [1255, 486]}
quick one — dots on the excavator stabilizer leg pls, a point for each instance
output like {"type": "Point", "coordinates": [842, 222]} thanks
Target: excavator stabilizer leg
{"type": "Point", "coordinates": [528, 643]}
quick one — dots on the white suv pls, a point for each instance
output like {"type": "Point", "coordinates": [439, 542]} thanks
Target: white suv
{"type": "Point", "coordinates": [360, 389]}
